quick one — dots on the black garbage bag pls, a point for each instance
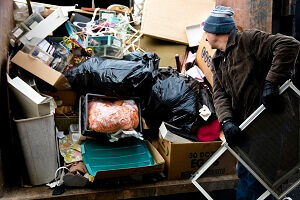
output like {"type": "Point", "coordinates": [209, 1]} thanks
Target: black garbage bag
{"type": "Point", "coordinates": [206, 99]}
{"type": "Point", "coordinates": [176, 99]}
{"type": "Point", "coordinates": [128, 77]}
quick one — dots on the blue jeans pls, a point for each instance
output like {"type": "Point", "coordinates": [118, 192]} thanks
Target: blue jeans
{"type": "Point", "coordinates": [248, 187]}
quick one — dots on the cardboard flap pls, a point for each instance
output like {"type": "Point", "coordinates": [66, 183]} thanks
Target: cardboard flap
{"type": "Point", "coordinates": [204, 57]}
{"type": "Point", "coordinates": [41, 70]}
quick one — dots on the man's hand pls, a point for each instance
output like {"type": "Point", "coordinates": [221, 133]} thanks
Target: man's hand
{"type": "Point", "coordinates": [231, 131]}
{"type": "Point", "coordinates": [270, 95]}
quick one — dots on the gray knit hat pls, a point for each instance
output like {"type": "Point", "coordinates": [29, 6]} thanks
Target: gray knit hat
{"type": "Point", "coordinates": [220, 21]}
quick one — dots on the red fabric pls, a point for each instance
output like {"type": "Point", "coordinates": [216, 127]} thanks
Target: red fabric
{"type": "Point", "coordinates": [209, 132]}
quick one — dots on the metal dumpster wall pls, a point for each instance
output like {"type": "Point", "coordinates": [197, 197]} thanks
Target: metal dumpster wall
{"type": "Point", "coordinates": [6, 24]}
{"type": "Point", "coordinates": [251, 14]}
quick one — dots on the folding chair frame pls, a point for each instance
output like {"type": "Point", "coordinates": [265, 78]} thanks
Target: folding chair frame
{"type": "Point", "coordinates": [224, 147]}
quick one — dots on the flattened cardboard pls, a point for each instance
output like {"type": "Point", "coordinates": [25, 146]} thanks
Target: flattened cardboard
{"type": "Point", "coordinates": [203, 58]}
{"type": "Point", "coordinates": [168, 19]}
{"type": "Point", "coordinates": [164, 49]}
{"type": "Point", "coordinates": [41, 70]}
{"type": "Point", "coordinates": [184, 159]}
{"type": "Point", "coordinates": [158, 167]}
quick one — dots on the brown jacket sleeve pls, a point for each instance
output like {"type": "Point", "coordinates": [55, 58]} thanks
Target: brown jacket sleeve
{"type": "Point", "coordinates": [283, 49]}
{"type": "Point", "coordinates": [221, 99]}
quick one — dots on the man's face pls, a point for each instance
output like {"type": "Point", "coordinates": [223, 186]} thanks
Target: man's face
{"type": "Point", "coordinates": [211, 39]}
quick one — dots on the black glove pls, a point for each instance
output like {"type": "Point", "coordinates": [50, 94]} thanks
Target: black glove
{"type": "Point", "coordinates": [270, 95]}
{"type": "Point", "coordinates": [232, 132]}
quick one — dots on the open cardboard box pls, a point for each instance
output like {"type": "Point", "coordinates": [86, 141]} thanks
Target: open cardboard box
{"type": "Point", "coordinates": [184, 158]}
{"type": "Point", "coordinates": [157, 167]}
{"type": "Point", "coordinates": [41, 70]}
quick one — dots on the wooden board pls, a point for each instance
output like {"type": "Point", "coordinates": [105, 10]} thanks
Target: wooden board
{"type": "Point", "coordinates": [126, 191]}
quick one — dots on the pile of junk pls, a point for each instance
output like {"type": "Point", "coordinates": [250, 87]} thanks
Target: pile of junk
{"type": "Point", "coordinates": [90, 102]}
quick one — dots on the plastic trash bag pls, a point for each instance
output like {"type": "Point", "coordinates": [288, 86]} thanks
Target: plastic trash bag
{"type": "Point", "coordinates": [129, 77]}
{"type": "Point", "coordinates": [110, 117]}
{"type": "Point", "coordinates": [176, 100]}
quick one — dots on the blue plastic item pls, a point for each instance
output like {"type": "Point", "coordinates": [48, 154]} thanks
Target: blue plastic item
{"type": "Point", "coordinates": [104, 155]}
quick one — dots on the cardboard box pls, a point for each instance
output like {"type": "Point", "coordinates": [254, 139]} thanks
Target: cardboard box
{"type": "Point", "coordinates": [184, 159]}
{"type": "Point", "coordinates": [63, 122]}
{"type": "Point", "coordinates": [158, 167]}
{"type": "Point", "coordinates": [41, 70]}
{"type": "Point", "coordinates": [164, 49]}
{"type": "Point", "coordinates": [203, 58]}
{"type": "Point", "coordinates": [168, 19]}
{"type": "Point", "coordinates": [64, 97]}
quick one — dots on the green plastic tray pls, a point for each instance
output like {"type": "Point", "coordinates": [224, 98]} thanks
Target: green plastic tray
{"type": "Point", "coordinates": [104, 155]}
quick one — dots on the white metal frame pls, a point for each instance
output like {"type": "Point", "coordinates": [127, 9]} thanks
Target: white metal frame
{"type": "Point", "coordinates": [224, 147]}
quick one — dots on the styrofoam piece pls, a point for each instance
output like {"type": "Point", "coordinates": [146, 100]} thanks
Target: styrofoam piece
{"type": "Point", "coordinates": [38, 141]}
{"type": "Point", "coordinates": [194, 34]}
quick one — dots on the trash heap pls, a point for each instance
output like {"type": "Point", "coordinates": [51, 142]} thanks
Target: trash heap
{"type": "Point", "coordinates": [89, 74]}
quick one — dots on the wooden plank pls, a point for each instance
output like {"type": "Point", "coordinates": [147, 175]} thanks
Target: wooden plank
{"type": "Point", "coordinates": [126, 191]}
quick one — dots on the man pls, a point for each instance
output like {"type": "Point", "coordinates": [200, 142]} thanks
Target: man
{"type": "Point", "coordinates": [248, 68]}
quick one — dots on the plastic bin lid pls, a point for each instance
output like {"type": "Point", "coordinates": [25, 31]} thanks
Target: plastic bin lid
{"type": "Point", "coordinates": [104, 155]}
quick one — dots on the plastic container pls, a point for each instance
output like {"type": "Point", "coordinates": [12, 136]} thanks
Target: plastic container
{"type": "Point", "coordinates": [74, 132]}
{"type": "Point", "coordinates": [37, 52]}
{"type": "Point", "coordinates": [33, 20]}
{"type": "Point", "coordinates": [18, 32]}
{"type": "Point", "coordinates": [83, 114]}
{"type": "Point", "coordinates": [104, 156]}
{"type": "Point", "coordinates": [21, 12]}
{"type": "Point", "coordinates": [38, 141]}
{"type": "Point", "coordinates": [105, 46]}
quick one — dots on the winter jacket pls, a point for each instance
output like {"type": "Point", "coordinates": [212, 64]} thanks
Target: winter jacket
{"type": "Point", "coordinates": [239, 73]}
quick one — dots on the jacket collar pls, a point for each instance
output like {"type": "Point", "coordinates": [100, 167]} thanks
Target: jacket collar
{"type": "Point", "coordinates": [230, 43]}
{"type": "Point", "coordinates": [232, 40]}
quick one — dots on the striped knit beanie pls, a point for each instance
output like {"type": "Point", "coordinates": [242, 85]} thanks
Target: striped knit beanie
{"type": "Point", "coordinates": [220, 21]}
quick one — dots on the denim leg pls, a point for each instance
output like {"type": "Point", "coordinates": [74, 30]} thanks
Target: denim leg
{"type": "Point", "coordinates": [242, 188]}
{"type": "Point", "coordinates": [248, 187]}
